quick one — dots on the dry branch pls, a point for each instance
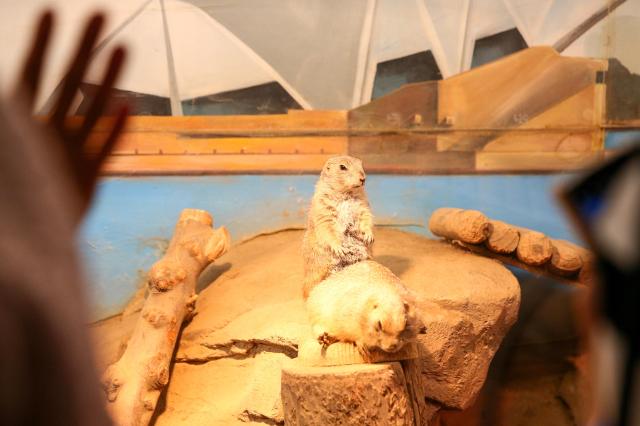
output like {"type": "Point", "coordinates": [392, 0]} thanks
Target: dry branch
{"type": "Point", "coordinates": [134, 382]}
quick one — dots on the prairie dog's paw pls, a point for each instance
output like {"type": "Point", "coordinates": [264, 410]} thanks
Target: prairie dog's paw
{"type": "Point", "coordinates": [325, 340]}
{"type": "Point", "coordinates": [337, 248]}
{"type": "Point", "coordinates": [367, 235]}
{"type": "Point", "coordinates": [365, 229]}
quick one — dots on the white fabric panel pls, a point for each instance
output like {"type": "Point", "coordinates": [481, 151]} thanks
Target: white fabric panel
{"type": "Point", "coordinates": [208, 58]}
{"type": "Point", "coordinates": [312, 44]}
{"type": "Point", "coordinates": [396, 31]}
{"type": "Point", "coordinates": [146, 69]}
{"type": "Point", "coordinates": [449, 22]}
{"type": "Point", "coordinates": [529, 15]}
{"type": "Point", "coordinates": [17, 23]}
{"type": "Point", "coordinates": [623, 29]}
{"type": "Point", "coordinates": [486, 18]}
{"type": "Point", "coordinates": [564, 16]}
{"type": "Point", "coordinates": [312, 47]}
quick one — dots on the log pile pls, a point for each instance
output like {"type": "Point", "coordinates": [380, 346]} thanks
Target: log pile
{"type": "Point", "coordinates": [524, 248]}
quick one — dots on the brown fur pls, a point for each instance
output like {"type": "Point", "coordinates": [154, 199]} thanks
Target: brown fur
{"type": "Point", "coordinates": [340, 224]}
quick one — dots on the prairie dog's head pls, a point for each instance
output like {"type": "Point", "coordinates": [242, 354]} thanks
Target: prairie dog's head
{"type": "Point", "coordinates": [343, 174]}
{"type": "Point", "coordinates": [386, 324]}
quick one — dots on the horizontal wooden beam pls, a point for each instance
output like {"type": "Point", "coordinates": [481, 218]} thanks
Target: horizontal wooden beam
{"type": "Point", "coordinates": [213, 164]}
{"type": "Point", "coordinates": [532, 162]}
{"type": "Point", "coordinates": [133, 143]}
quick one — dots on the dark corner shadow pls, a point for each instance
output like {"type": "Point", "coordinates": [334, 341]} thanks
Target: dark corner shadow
{"type": "Point", "coordinates": [397, 264]}
{"type": "Point", "coordinates": [210, 274]}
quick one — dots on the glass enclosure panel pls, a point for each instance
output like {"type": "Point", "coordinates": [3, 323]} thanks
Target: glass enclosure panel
{"type": "Point", "coordinates": [239, 108]}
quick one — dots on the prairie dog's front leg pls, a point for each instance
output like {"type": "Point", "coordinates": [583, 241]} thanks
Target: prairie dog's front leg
{"type": "Point", "coordinates": [328, 236]}
{"type": "Point", "coordinates": [366, 225]}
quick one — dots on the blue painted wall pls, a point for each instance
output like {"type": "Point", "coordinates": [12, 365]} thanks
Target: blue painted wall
{"type": "Point", "coordinates": [134, 217]}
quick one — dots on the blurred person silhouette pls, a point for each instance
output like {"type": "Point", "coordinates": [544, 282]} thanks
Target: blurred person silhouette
{"type": "Point", "coordinates": [47, 179]}
{"type": "Point", "coordinates": [605, 206]}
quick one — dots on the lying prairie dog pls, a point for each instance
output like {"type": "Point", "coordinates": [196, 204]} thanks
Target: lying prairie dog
{"type": "Point", "coordinates": [365, 304]}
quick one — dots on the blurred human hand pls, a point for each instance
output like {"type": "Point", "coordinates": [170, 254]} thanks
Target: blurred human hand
{"type": "Point", "coordinates": [72, 140]}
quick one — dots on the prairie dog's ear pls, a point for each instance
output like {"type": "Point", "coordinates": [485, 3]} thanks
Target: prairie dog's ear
{"type": "Point", "coordinates": [325, 169]}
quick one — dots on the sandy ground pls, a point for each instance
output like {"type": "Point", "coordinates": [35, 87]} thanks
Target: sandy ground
{"type": "Point", "coordinates": [266, 272]}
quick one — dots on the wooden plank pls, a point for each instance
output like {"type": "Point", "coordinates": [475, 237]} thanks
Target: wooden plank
{"type": "Point", "coordinates": [172, 143]}
{"type": "Point", "coordinates": [411, 106]}
{"type": "Point", "coordinates": [579, 111]}
{"type": "Point", "coordinates": [520, 162]}
{"type": "Point", "coordinates": [530, 141]}
{"type": "Point", "coordinates": [424, 163]}
{"type": "Point", "coordinates": [434, 162]}
{"type": "Point", "coordinates": [392, 144]}
{"type": "Point", "coordinates": [307, 120]}
{"type": "Point", "coordinates": [541, 142]}
{"type": "Point", "coordinates": [509, 92]}
{"type": "Point", "coordinates": [212, 164]}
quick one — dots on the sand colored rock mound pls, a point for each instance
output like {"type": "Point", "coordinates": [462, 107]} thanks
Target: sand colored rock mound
{"type": "Point", "coordinates": [248, 321]}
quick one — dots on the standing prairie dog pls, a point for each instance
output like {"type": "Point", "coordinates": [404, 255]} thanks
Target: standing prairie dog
{"type": "Point", "coordinates": [340, 224]}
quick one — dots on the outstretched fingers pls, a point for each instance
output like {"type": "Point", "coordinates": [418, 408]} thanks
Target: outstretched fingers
{"type": "Point", "coordinates": [32, 68]}
{"type": "Point", "coordinates": [99, 102]}
{"type": "Point", "coordinates": [77, 68]}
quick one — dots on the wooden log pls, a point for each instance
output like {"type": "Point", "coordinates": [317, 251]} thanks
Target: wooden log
{"type": "Point", "coordinates": [133, 384]}
{"type": "Point", "coordinates": [469, 226]}
{"type": "Point", "coordinates": [363, 394]}
{"type": "Point", "coordinates": [566, 260]}
{"type": "Point", "coordinates": [583, 278]}
{"type": "Point", "coordinates": [504, 238]}
{"type": "Point", "coordinates": [534, 248]}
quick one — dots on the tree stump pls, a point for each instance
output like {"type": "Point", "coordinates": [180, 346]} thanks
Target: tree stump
{"type": "Point", "coordinates": [135, 381]}
{"type": "Point", "coordinates": [360, 394]}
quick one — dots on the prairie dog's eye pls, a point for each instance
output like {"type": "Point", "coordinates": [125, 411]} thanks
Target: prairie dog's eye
{"type": "Point", "coordinates": [343, 167]}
